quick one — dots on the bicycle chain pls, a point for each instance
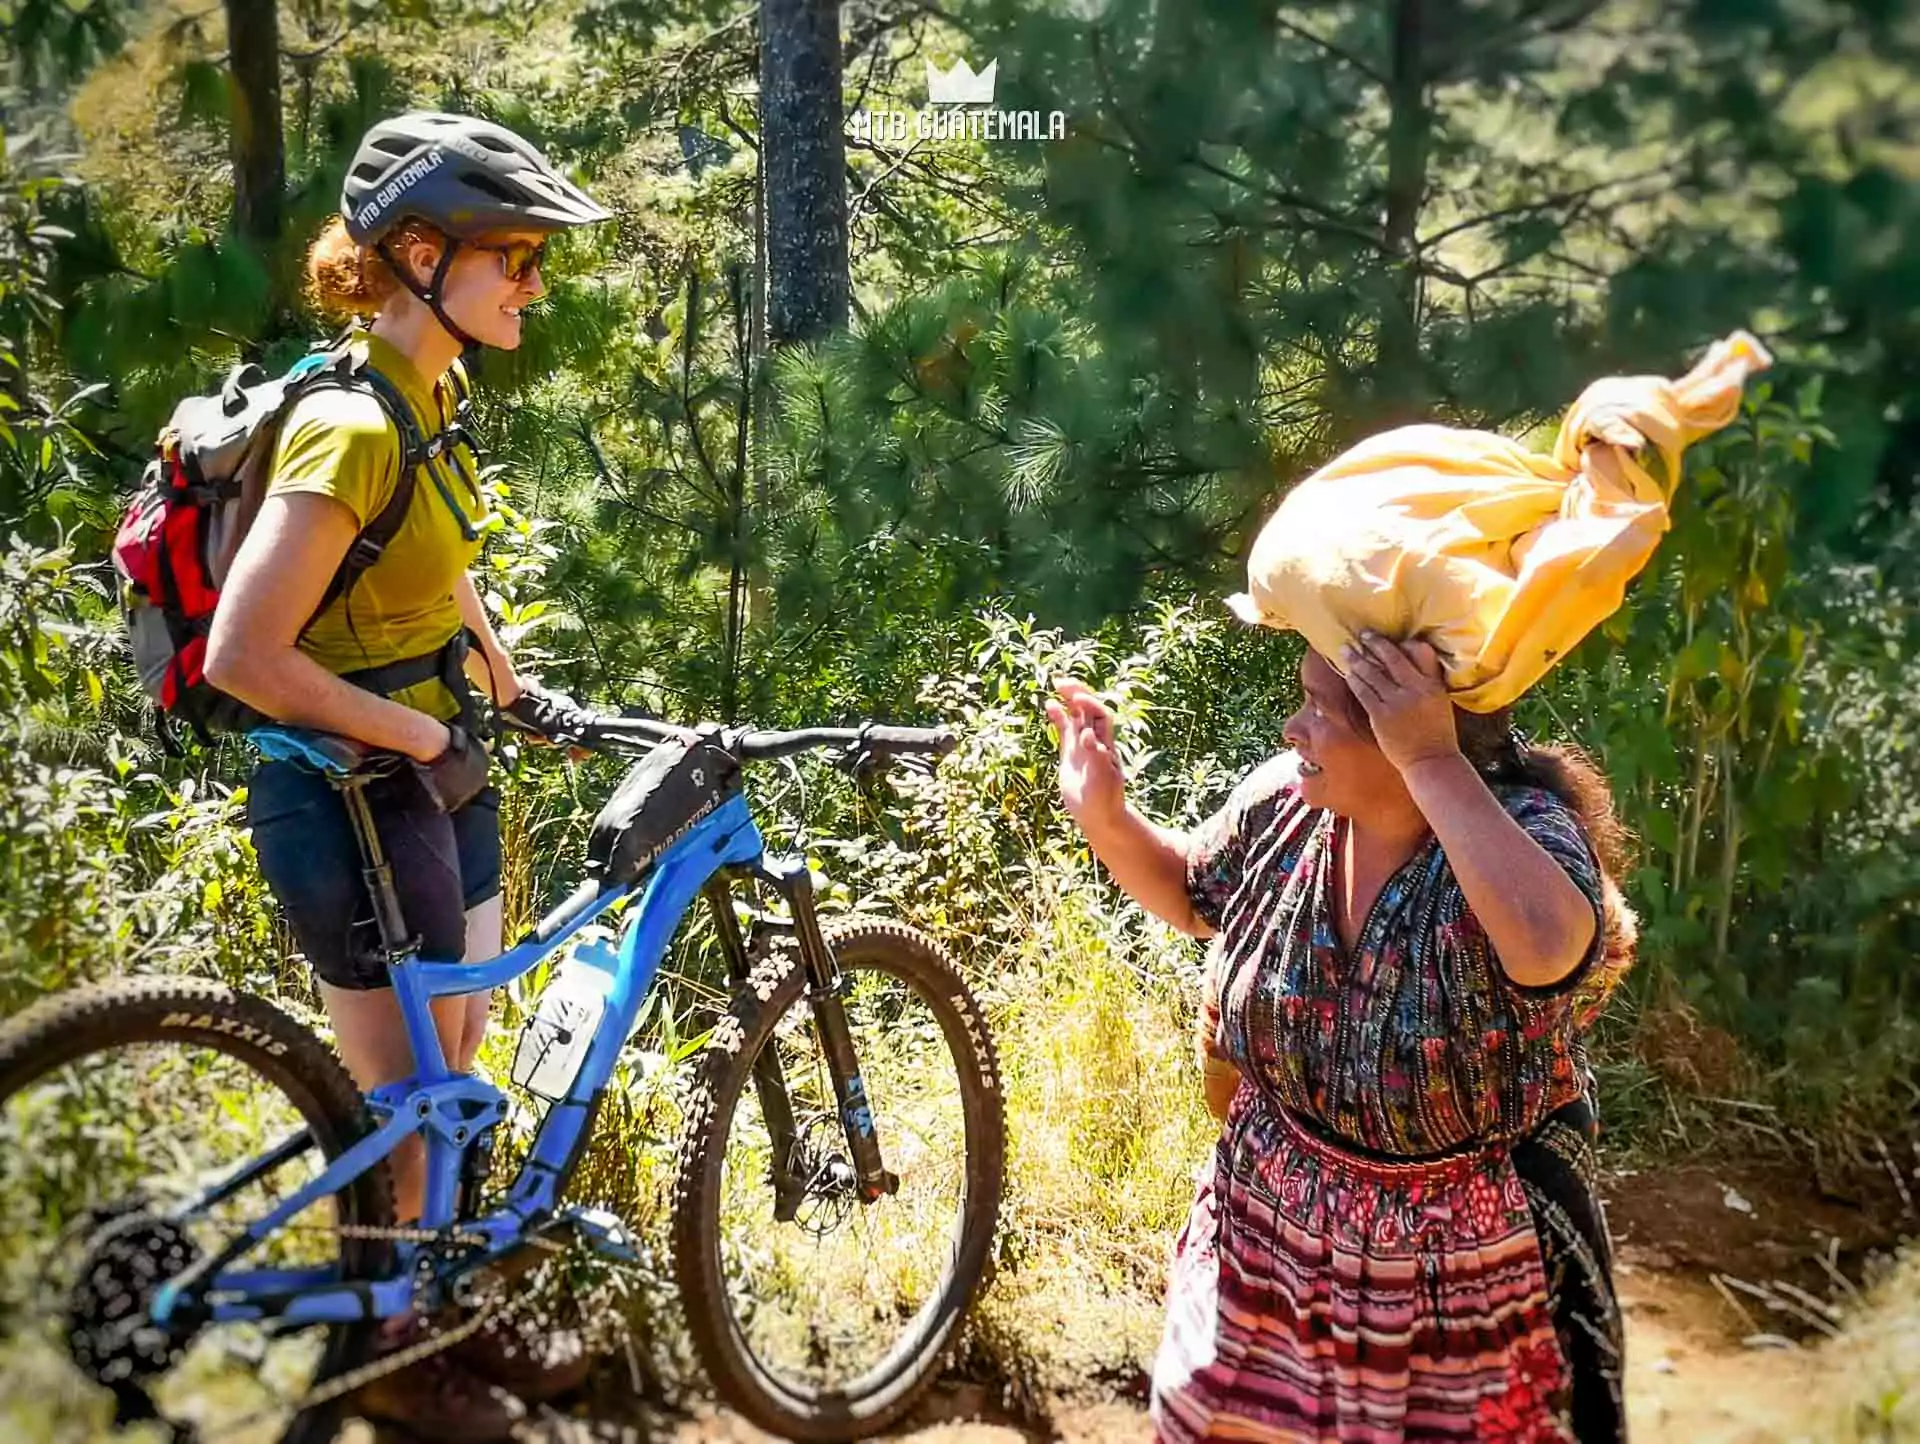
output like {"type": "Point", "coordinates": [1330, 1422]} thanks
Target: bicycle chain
{"type": "Point", "coordinates": [395, 1233]}
{"type": "Point", "coordinates": [483, 1313]}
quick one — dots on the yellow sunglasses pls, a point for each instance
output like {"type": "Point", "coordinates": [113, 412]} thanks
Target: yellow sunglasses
{"type": "Point", "coordinates": [517, 258]}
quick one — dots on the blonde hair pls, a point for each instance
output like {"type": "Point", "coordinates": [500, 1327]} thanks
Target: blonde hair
{"type": "Point", "coordinates": [346, 279]}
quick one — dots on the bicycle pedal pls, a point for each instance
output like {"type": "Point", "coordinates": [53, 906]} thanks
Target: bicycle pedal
{"type": "Point", "coordinates": [606, 1233]}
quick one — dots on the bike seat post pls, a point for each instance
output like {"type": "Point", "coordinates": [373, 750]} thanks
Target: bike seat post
{"type": "Point", "coordinates": [375, 867]}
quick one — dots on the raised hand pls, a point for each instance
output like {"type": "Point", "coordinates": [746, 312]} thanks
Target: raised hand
{"type": "Point", "coordinates": [1091, 783]}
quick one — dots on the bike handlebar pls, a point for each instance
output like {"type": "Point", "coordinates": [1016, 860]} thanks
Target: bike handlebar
{"type": "Point", "coordinates": [860, 748]}
{"type": "Point", "coordinates": [871, 740]}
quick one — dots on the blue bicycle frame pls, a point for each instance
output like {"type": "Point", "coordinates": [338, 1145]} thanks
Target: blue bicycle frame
{"type": "Point", "coordinates": [449, 1110]}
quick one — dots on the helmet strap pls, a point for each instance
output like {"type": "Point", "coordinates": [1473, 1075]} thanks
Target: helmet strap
{"type": "Point", "coordinates": [430, 293]}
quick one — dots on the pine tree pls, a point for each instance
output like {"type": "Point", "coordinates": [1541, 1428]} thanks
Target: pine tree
{"type": "Point", "coordinates": [1274, 231]}
{"type": "Point", "coordinates": [255, 126]}
{"type": "Point", "coordinates": [803, 153]}
{"type": "Point", "coordinates": [49, 41]}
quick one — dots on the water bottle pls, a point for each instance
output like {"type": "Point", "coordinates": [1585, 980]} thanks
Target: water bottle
{"type": "Point", "coordinates": [554, 1043]}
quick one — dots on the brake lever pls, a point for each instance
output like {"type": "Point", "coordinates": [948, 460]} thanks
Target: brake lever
{"type": "Point", "coordinates": [865, 764]}
{"type": "Point", "coordinates": [861, 763]}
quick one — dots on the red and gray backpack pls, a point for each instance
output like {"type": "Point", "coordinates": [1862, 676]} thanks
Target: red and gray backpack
{"type": "Point", "coordinates": [196, 501]}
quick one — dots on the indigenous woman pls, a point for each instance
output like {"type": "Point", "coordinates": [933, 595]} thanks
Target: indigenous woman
{"type": "Point", "coordinates": [1398, 1236]}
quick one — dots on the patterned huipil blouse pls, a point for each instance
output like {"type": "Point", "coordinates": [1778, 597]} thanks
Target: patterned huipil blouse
{"type": "Point", "coordinates": [1397, 1238]}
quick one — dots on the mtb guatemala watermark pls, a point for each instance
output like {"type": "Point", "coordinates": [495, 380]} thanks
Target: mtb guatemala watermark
{"type": "Point", "coordinates": [949, 113]}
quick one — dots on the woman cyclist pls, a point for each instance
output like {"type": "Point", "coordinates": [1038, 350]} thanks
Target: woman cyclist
{"type": "Point", "coordinates": [437, 249]}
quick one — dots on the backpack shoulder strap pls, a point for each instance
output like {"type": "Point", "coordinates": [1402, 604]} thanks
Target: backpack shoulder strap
{"type": "Point", "coordinates": [454, 431]}
{"type": "Point", "coordinates": [340, 368]}
{"type": "Point", "coordinates": [462, 392]}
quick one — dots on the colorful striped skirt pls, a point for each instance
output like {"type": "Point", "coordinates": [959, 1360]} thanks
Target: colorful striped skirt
{"type": "Point", "coordinates": [1321, 1295]}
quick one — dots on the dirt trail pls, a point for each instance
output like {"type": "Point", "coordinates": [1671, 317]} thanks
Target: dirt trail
{"type": "Point", "coordinates": [1691, 1377]}
{"type": "Point", "coordinates": [1689, 1380]}
{"type": "Point", "coordinates": [1688, 1376]}
{"type": "Point", "coordinates": [1694, 1376]}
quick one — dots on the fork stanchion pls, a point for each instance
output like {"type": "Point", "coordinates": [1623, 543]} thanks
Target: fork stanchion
{"type": "Point", "coordinates": [836, 1041]}
{"type": "Point", "coordinates": [769, 1078]}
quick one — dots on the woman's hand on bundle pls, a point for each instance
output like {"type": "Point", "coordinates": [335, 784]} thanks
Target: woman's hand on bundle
{"type": "Point", "coordinates": [1091, 784]}
{"type": "Point", "coordinates": [1404, 692]}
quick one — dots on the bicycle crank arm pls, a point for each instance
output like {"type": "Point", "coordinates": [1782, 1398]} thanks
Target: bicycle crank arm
{"type": "Point", "coordinates": [601, 1230]}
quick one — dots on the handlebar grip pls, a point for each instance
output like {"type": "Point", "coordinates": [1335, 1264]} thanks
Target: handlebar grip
{"type": "Point", "coordinates": [911, 739]}
{"type": "Point", "coordinates": [610, 725]}
{"type": "Point", "coordinates": [765, 746]}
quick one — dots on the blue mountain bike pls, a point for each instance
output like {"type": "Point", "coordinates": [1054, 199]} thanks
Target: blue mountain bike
{"type": "Point", "coordinates": [196, 1219]}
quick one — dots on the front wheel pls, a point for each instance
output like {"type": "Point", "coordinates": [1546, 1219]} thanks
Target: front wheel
{"type": "Point", "coordinates": [819, 1316]}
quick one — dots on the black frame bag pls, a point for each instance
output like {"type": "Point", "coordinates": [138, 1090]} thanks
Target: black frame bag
{"type": "Point", "coordinates": [663, 794]}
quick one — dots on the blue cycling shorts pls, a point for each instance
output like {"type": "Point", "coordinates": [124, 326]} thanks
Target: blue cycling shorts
{"type": "Point", "coordinates": [442, 864]}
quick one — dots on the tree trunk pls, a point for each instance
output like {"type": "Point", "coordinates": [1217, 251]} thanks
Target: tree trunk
{"type": "Point", "coordinates": [760, 590]}
{"type": "Point", "coordinates": [259, 147]}
{"type": "Point", "coordinates": [803, 151]}
{"type": "Point", "coordinates": [1409, 127]}
{"type": "Point", "coordinates": [738, 522]}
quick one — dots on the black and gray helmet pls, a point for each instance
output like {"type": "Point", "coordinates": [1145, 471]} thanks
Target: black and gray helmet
{"type": "Point", "coordinates": [465, 176]}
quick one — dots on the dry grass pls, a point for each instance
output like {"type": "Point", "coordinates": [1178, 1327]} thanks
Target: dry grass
{"type": "Point", "coordinates": [1864, 1385]}
{"type": "Point", "coordinates": [1106, 1125]}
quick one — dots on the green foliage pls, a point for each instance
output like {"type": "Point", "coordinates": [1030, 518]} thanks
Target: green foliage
{"type": "Point", "coordinates": [981, 427]}
{"type": "Point", "coordinates": [41, 443]}
{"type": "Point", "coordinates": [1752, 707]}
{"type": "Point", "coordinates": [39, 632]}
{"type": "Point", "coordinates": [1079, 376]}
{"type": "Point", "coordinates": [47, 41]}
{"type": "Point", "coordinates": [1307, 225]}
{"type": "Point", "coordinates": [109, 863]}
{"type": "Point", "coordinates": [654, 491]}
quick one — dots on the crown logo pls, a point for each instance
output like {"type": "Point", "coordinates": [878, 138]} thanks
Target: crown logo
{"type": "Point", "coordinates": [960, 86]}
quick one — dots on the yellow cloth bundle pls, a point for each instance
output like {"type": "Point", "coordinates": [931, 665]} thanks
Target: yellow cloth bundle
{"type": "Point", "coordinates": [1502, 558]}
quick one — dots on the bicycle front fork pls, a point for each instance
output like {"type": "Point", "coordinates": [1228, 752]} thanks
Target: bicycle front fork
{"type": "Point", "coordinates": [795, 881]}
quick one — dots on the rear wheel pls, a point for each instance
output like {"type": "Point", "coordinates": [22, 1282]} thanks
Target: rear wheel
{"type": "Point", "coordinates": [119, 1104]}
{"type": "Point", "coordinates": [819, 1316]}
